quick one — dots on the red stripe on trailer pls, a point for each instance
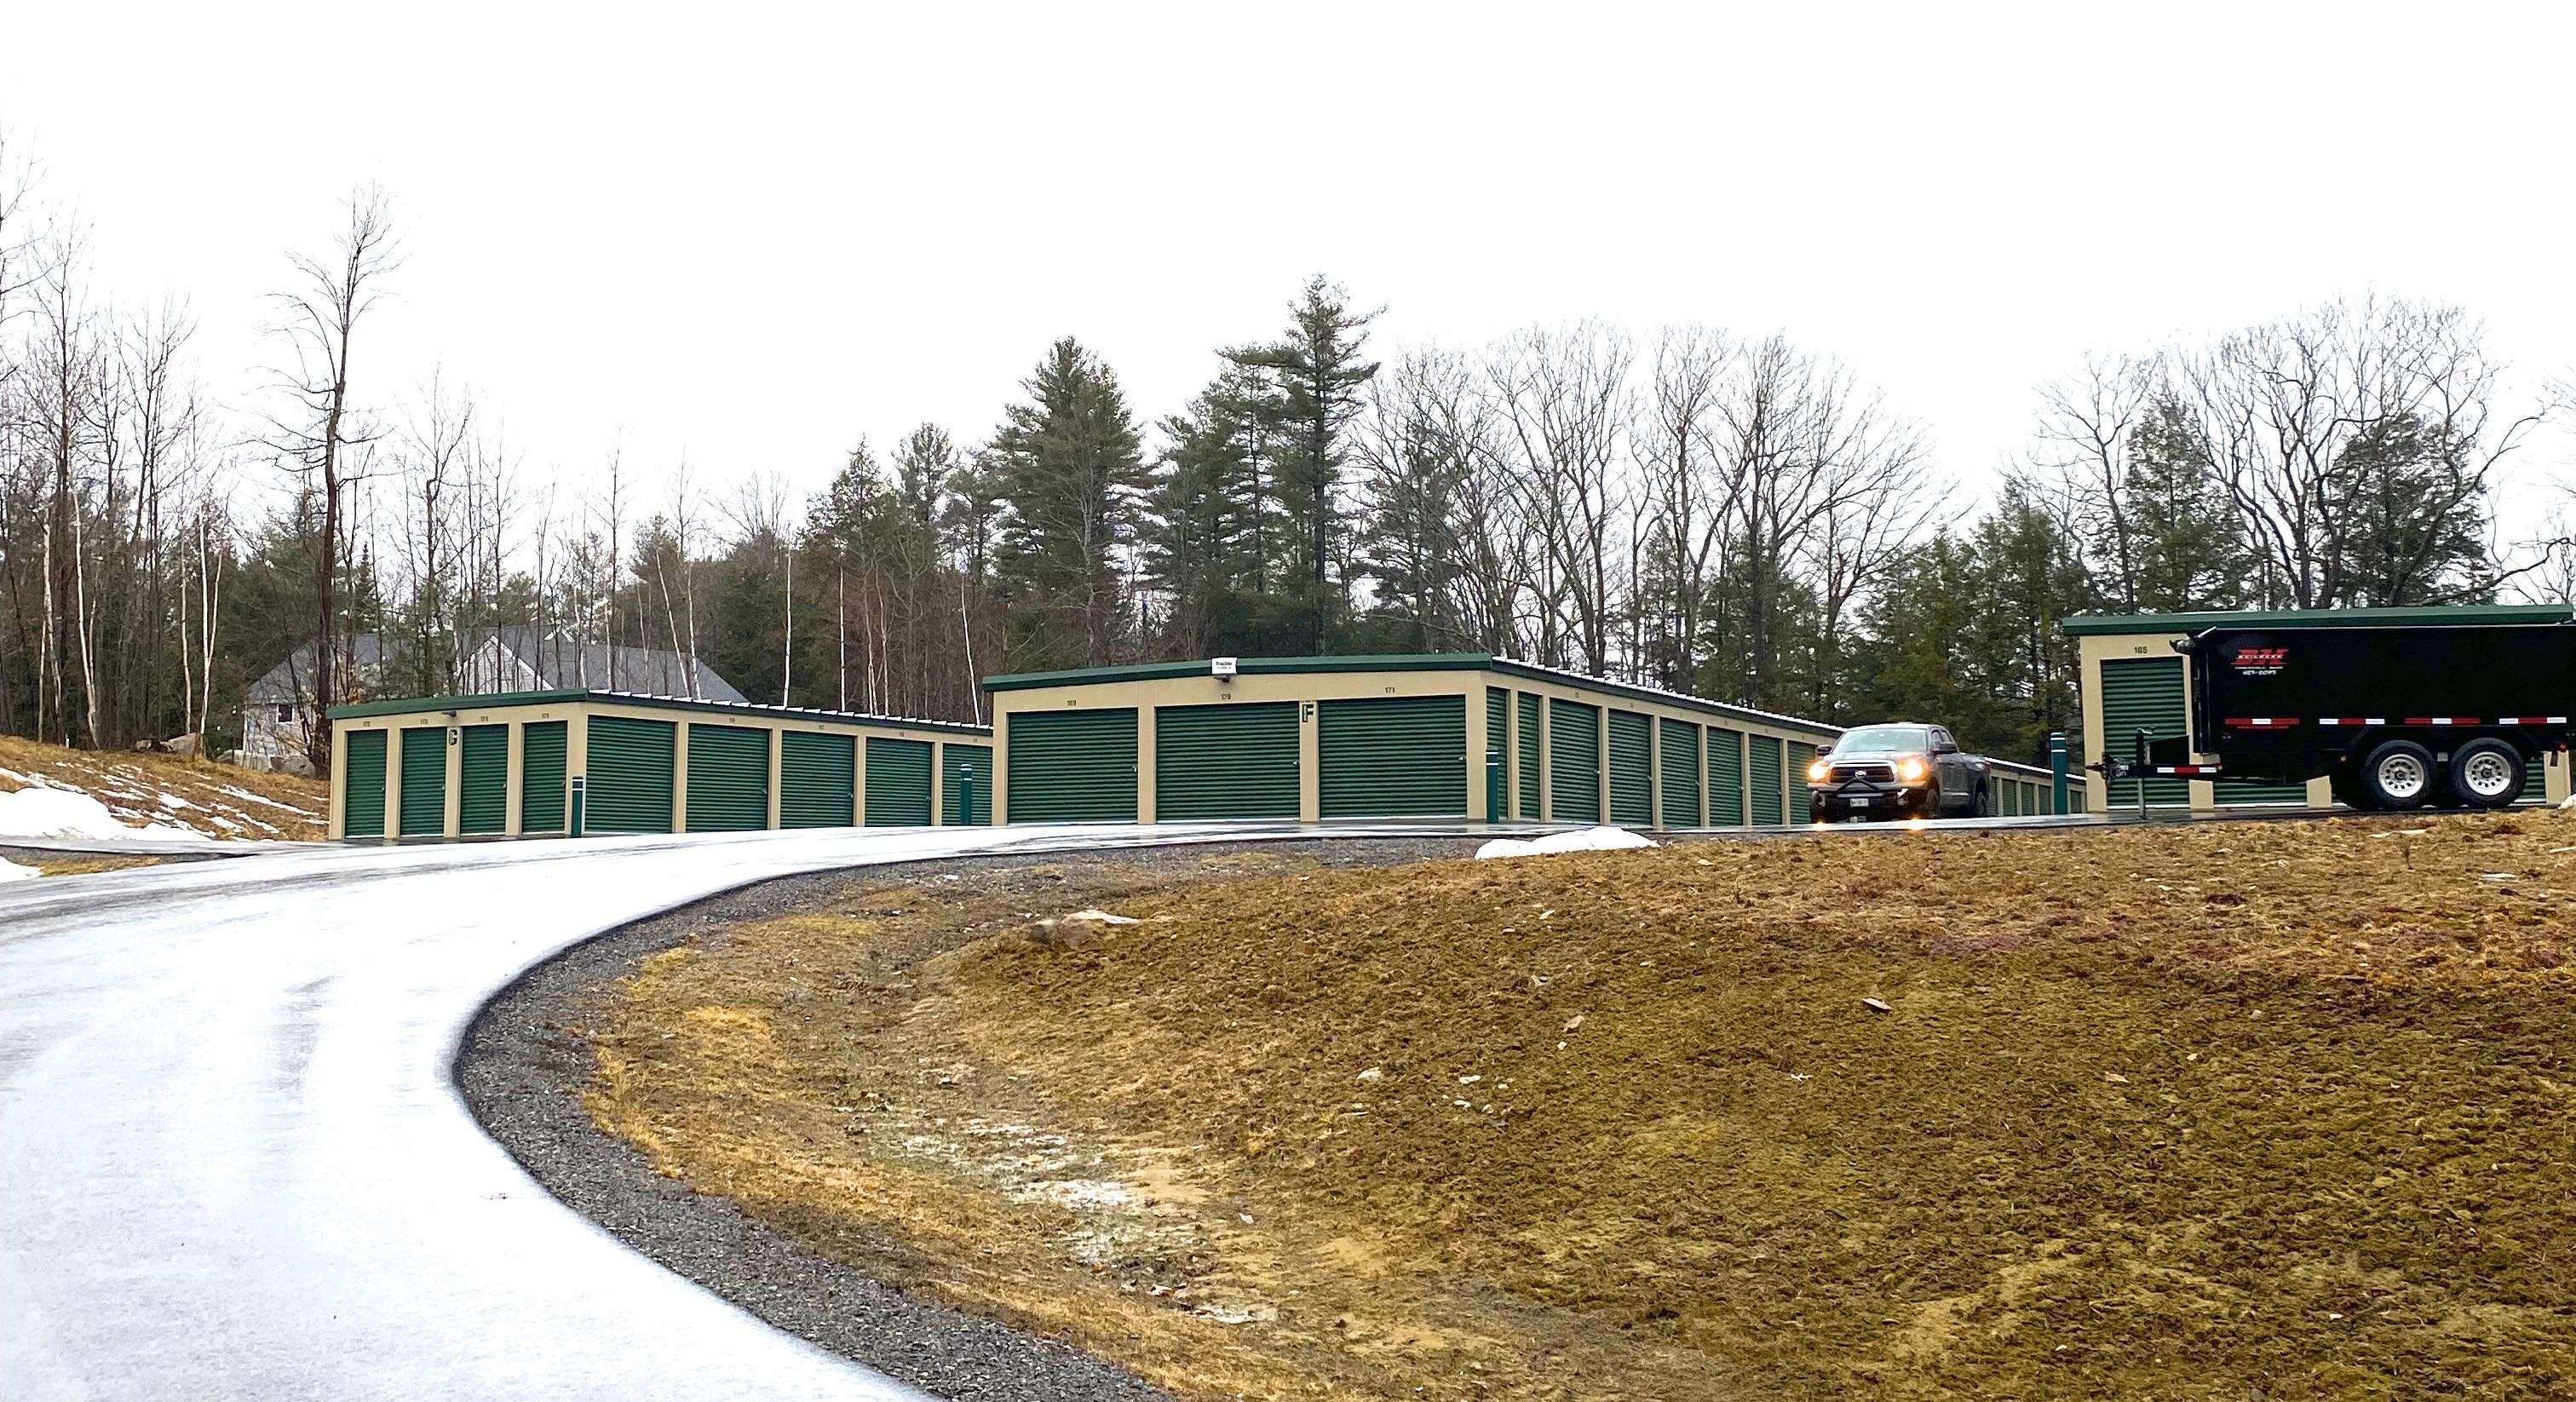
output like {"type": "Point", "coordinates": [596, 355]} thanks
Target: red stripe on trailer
{"type": "Point", "coordinates": [2261, 722]}
{"type": "Point", "coordinates": [2186, 771]}
{"type": "Point", "coordinates": [2531, 720]}
{"type": "Point", "coordinates": [2441, 720]}
{"type": "Point", "coordinates": [2351, 720]}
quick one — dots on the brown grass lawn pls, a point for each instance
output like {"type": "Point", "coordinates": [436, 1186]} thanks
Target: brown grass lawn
{"type": "Point", "coordinates": [76, 863]}
{"type": "Point", "coordinates": [215, 799]}
{"type": "Point", "coordinates": [2279, 1111]}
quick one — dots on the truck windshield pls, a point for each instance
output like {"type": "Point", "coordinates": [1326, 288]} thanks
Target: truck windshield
{"type": "Point", "coordinates": [1874, 738]}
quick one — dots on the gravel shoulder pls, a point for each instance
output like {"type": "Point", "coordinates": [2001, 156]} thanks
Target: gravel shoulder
{"type": "Point", "coordinates": [526, 1061]}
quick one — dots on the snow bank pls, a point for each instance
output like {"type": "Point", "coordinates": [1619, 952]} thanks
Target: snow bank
{"type": "Point", "coordinates": [69, 813]}
{"type": "Point", "coordinates": [11, 871]}
{"type": "Point", "coordinates": [1585, 840]}
{"type": "Point", "coordinates": [2571, 801]}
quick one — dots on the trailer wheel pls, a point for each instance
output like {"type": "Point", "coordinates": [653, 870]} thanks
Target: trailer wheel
{"type": "Point", "coordinates": [2488, 773]}
{"type": "Point", "coordinates": [2398, 775]}
{"type": "Point", "coordinates": [2345, 784]}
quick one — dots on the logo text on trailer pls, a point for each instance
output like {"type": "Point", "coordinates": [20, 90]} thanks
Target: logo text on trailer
{"type": "Point", "coordinates": [2260, 661]}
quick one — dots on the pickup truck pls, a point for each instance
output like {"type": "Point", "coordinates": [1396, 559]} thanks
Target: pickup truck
{"type": "Point", "coordinates": [1901, 770]}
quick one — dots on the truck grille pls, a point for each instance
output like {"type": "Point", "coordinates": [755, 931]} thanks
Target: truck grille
{"type": "Point", "coordinates": [1875, 773]}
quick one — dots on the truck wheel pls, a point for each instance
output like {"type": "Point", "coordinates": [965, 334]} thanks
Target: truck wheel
{"type": "Point", "coordinates": [1985, 802]}
{"type": "Point", "coordinates": [2398, 775]}
{"type": "Point", "coordinates": [2488, 773]}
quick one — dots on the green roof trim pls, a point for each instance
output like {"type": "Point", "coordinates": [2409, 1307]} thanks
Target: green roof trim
{"type": "Point", "coordinates": [404, 706]}
{"type": "Point", "coordinates": [1401, 662]}
{"type": "Point", "coordinates": [2429, 616]}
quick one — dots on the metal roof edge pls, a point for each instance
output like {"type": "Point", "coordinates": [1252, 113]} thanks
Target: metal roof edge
{"type": "Point", "coordinates": [1514, 667]}
{"type": "Point", "coordinates": [415, 705]}
{"type": "Point", "coordinates": [1246, 666]}
{"type": "Point", "coordinates": [1400, 662]}
{"type": "Point", "coordinates": [2419, 616]}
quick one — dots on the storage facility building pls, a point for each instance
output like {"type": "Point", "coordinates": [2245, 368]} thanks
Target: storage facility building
{"type": "Point", "coordinates": [1447, 735]}
{"type": "Point", "coordinates": [535, 763]}
{"type": "Point", "coordinates": [2131, 678]}
{"type": "Point", "coordinates": [1308, 739]}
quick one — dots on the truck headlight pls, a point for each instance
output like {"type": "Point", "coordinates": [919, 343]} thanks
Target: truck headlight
{"type": "Point", "coordinates": [1819, 772]}
{"type": "Point", "coordinates": [1912, 769]}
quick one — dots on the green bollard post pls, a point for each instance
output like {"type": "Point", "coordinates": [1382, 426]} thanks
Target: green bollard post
{"type": "Point", "coordinates": [2057, 769]}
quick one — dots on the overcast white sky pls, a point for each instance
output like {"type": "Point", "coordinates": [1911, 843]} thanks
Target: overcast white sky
{"type": "Point", "coordinates": [755, 234]}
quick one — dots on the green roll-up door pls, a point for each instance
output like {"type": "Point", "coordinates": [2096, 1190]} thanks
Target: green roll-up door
{"type": "Point", "coordinates": [1072, 767]}
{"type": "Point", "coordinates": [818, 777]}
{"type": "Point", "coordinates": [1795, 788]}
{"type": "Point", "coordinates": [483, 780]}
{"type": "Point", "coordinates": [2143, 693]}
{"type": "Point", "coordinates": [728, 778]}
{"type": "Point", "coordinates": [1525, 716]}
{"type": "Point", "coordinates": [2008, 799]}
{"type": "Point", "coordinates": [898, 783]}
{"type": "Point", "coordinates": [1725, 777]}
{"type": "Point", "coordinates": [362, 802]}
{"type": "Point", "coordinates": [627, 784]}
{"type": "Point", "coordinates": [1495, 770]}
{"type": "Point", "coordinates": [1392, 757]}
{"type": "Point", "coordinates": [1574, 761]}
{"type": "Point", "coordinates": [1632, 769]}
{"type": "Point", "coordinates": [1225, 761]}
{"type": "Point", "coordinates": [1681, 774]}
{"type": "Point", "coordinates": [424, 782]}
{"type": "Point", "coordinates": [966, 782]}
{"type": "Point", "coordinates": [1767, 794]}
{"type": "Point", "coordinates": [541, 776]}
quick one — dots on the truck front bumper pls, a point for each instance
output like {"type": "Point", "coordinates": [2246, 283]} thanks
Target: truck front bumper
{"type": "Point", "coordinates": [1864, 798]}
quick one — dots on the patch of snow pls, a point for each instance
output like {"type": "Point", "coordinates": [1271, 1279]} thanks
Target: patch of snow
{"type": "Point", "coordinates": [247, 796]}
{"type": "Point", "coordinates": [175, 803]}
{"type": "Point", "coordinates": [1583, 840]}
{"type": "Point", "coordinates": [11, 871]}
{"type": "Point", "coordinates": [1099, 917]}
{"type": "Point", "coordinates": [2570, 803]}
{"type": "Point", "coordinates": [71, 814]}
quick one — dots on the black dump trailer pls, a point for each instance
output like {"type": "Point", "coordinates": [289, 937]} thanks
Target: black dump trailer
{"type": "Point", "coordinates": [2395, 717]}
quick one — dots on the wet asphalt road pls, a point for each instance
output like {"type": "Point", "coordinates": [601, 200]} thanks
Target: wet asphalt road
{"type": "Point", "coordinates": [233, 1162]}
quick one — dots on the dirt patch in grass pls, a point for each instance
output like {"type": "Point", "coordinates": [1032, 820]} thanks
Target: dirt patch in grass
{"type": "Point", "coordinates": [2276, 1111]}
{"type": "Point", "coordinates": [217, 800]}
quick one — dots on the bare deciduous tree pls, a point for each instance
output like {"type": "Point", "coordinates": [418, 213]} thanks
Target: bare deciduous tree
{"type": "Point", "coordinates": [318, 321]}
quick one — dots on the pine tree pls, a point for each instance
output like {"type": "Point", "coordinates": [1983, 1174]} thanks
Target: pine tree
{"type": "Point", "coordinates": [1315, 374]}
{"type": "Point", "coordinates": [2414, 519]}
{"type": "Point", "coordinates": [1409, 545]}
{"type": "Point", "coordinates": [1212, 544]}
{"type": "Point", "coordinates": [2188, 542]}
{"type": "Point", "coordinates": [1073, 478]}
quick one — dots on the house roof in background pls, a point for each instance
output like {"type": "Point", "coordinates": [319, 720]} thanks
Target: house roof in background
{"type": "Point", "coordinates": [557, 660]}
